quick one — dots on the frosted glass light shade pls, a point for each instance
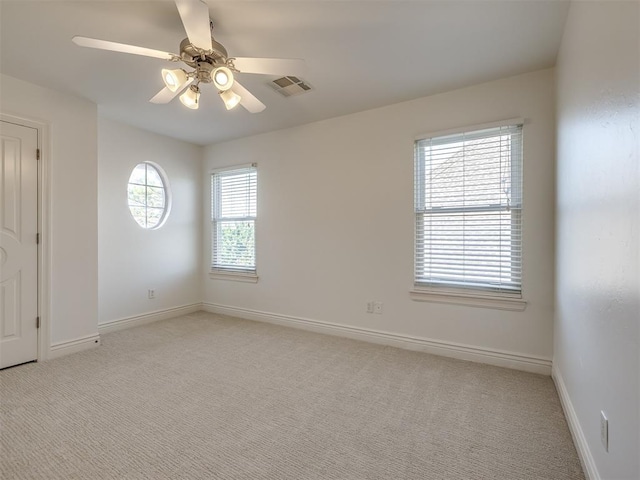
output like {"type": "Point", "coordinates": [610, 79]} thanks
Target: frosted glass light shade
{"type": "Point", "coordinates": [222, 78]}
{"type": "Point", "coordinates": [174, 79]}
{"type": "Point", "coordinates": [230, 98]}
{"type": "Point", "coordinates": [191, 97]}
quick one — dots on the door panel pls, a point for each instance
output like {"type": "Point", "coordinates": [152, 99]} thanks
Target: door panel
{"type": "Point", "coordinates": [18, 246]}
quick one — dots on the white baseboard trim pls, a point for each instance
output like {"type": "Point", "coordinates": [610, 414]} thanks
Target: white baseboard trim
{"type": "Point", "coordinates": [136, 320]}
{"type": "Point", "coordinates": [436, 347]}
{"type": "Point", "coordinates": [73, 346]}
{"type": "Point", "coordinates": [579, 440]}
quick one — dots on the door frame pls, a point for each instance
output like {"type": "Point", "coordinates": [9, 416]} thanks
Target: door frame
{"type": "Point", "coordinates": [44, 228]}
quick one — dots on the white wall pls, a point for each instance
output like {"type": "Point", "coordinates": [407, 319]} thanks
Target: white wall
{"type": "Point", "coordinates": [336, 223]}
{"type": "Point", "coordinates": [71, 156]}
{"type": "Point", "coordinates": [132, 259]}
{"type": "Point", "coordinates": [598, 290]}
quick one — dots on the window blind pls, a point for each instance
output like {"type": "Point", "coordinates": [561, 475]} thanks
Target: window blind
{"type": "Point", "coordinates": [468, 207]}
{"type": "Point", "coordinates": [233, 207]}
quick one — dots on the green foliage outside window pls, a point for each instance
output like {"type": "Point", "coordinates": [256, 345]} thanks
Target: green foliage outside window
{"type": "Point", "coordinates": [236, 243]}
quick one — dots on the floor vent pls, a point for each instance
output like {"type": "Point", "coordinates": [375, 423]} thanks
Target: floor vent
{"type": "Point", "coordinates": [290, 86]}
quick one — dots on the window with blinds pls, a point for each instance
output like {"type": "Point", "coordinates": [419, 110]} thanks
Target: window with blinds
{"type": "Point", "coordinates": [233, 207]}
{"type": "Point", "coordinates": [468, 207]}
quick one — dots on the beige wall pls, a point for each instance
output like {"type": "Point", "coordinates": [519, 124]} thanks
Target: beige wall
{"type": "Point", "coordinates": [597, 345]}
{"type": "Point", "coordinates": [336, 223]}
{"type": "Point", "coordinates": [71, 189]}
{"type": "Point", "coordinates": [132, 259]}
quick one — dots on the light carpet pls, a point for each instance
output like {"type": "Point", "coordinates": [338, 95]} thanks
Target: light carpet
{"type": "Point", "coordinates": [206, 396]}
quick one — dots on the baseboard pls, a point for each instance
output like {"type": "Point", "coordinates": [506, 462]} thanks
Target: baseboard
{"type": "Point", "coordinates": [579, 440]}
{"type": "Point", "coordinates": [73, 346]}
{"type": "Point", "coordinates": [463, 352]}
{"type": "Point", "coordinates": [136, 320]}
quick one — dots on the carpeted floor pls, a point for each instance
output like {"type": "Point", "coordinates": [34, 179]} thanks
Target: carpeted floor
{"type": "Point", "coordinates": [210, 397]}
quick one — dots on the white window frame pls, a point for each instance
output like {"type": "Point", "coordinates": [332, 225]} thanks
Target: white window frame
{"type": "Point", "coordinates": [450, 292]}
{"type": "Point", "coordinates": [231, 272]}
{"type": "Point", "coordinates": [166, 210]}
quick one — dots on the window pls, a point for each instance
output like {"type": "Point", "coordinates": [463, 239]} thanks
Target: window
{"type": "Point", "coordinates": [148, 196]}
{"type": "Point", "coordinates": [468, 207]}
{"type": "Point", "coordinates": [233, 207]}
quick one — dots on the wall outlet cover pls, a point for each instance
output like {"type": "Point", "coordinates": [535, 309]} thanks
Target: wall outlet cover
{"type": "Point", "coordinates": [604, 430]}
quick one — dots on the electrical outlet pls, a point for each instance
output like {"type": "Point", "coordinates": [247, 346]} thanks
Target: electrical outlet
{"type": "Point", "coordinates": [369, 307]}
{"type": "Point", "coordinates": [152, 294]}
{"type": "Point", "coordinates": [377, 308]}
{"type": "Point", "coordinates": [604, 430]}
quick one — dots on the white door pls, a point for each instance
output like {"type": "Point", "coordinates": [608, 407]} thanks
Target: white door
{"type": "Point", "coordinates": [18, 244]}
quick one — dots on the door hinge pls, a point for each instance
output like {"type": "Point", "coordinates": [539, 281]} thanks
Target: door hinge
{"type": "Point", "coordinates": [37, 322]}
{"type": "Point", "coordinates": [37, 154]}
{"type": "Point", "coordinates": [37, 238]}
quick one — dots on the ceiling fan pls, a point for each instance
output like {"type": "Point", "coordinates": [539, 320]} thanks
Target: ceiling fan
{"type": "Point", "coordinates": [208, 58]}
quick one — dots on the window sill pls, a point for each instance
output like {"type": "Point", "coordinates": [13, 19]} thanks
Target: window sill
{"type": "Point", "coordinates": [234, 276]}
{"type": "Point", "coordinates": [472, 300]}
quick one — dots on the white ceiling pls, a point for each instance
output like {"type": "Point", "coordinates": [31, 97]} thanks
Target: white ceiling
{"type": "Point", "coordinates": [360, 54]}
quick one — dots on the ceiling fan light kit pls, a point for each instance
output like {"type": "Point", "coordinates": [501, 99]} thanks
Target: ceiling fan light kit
{"type": "Point", "coordinates": [191, 97]}
{"type": "Point", "coordinates": [230, 98]}
{"type": "Point", "coordinates": [208, 58]}
{"type": "Point", "coordinates": [174, 79]}
{"type": "Point", "coordinates": [222, 78]}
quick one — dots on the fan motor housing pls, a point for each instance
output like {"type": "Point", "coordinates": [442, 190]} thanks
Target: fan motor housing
{"type": "Point", "coordinates": [192, 56]}
{"type": "Point", "coordinates": [203, 72]}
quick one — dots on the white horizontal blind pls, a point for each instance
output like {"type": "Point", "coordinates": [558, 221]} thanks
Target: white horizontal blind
{"type": "Point", "coordinates": [468, 206]}
{"type": "Point", "coordinates": [233, 207]}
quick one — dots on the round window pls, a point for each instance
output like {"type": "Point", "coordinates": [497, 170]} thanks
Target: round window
{"type": "Point", "coordinates": [148, 195]}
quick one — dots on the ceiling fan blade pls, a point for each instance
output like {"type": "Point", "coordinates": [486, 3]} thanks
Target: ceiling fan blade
{"type": "Point", "coordinates": [271, 66]}
{"type": "Point", "coordinates": [248, 100]}
{"type": "Point", "coordinates": [122, 47]}
{"type": "Point", "coordinates": [165, 95]}
{"type": "Point", "coordinates": [195, 18]}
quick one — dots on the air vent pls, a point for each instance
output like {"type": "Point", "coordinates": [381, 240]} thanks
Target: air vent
{"type": "Point", "coordinates": [290, 86]}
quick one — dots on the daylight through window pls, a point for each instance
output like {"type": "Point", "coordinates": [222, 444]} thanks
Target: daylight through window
{"type": "Point", "coordinates": [468, 208]}
{"type": "Point", "coordinates": [147, 194]}
{"type": "Point", "coordinates": [233, 207]}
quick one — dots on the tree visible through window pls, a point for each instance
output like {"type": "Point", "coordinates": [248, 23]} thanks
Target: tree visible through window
{"type": "Point", "coordinates": [147, 195]}
{"type": "Point", "coordinates": [468, 207]}
{"type": "Point", "coordinates": [233, 207]}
